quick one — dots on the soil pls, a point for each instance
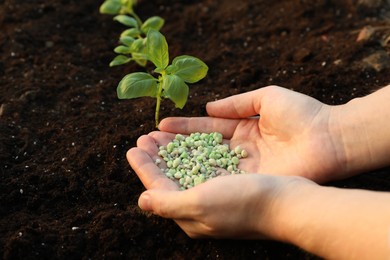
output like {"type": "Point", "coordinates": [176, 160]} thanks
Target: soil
{"type": "Point", "coordinates": [67, 191]}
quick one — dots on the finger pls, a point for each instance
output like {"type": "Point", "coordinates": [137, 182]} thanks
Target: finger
{"type": "Point", "coordinates": [162, 138]}
{"type": "Point", "coordinates": [168, 203]}
{"type": "Point", "coordinates": [184, 125]}
{"type": "Point", "coordinates": [148, 172]}
{"type": "Point", "coordinates": [149, 145]}
{"type": "Point", "coordinates": [238, 106]}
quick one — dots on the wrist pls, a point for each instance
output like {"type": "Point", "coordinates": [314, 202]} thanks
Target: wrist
{"type": "Point", "coordinates": [343, 136]}
{"type": "Point", "coordinates": [358, 147]}
{"type": "Point", "coordinates": [283, 221]}
{"type": "Point", "coordinates": [323, 221]}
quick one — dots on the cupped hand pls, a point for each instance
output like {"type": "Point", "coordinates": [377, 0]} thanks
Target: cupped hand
{"type": "Point", "coordinates": [284, 132]}
{"type": "Point", "coordinates": [217, 208]}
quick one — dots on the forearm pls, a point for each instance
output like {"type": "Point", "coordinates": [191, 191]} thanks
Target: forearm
{"type": "Point", "coordinates": [363, 127]}
{"type": "Point", "coordinates": [335, 223]}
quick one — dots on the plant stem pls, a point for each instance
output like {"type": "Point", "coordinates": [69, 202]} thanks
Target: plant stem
{"type": "Point", "coordinates": [158, 103]}
{"type": "Point", "coordinates": [157, 110]}
{"type": "Point", "coordinates": [136, 17]}
{"type": "Point", "coordinates": [129, 9]}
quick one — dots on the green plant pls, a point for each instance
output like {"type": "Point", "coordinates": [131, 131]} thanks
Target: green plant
{"type": "Point", "coordinates": [172, 79]}
{"type": "Point", "coordinates": [141, 42]}
{"type": "Point", "coordinates": [132, 40]}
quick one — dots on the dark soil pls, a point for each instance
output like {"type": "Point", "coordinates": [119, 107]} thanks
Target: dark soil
{"type": "Point", "coordinates": [66, 188]}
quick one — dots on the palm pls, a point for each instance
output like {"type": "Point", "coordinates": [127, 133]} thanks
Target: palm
{"type": "Point", "coordinates": [291, 137]}
{"type": "Point", "coordinates": [293, 146]}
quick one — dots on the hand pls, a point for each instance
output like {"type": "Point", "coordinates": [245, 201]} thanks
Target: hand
{"type": "Point", "coordinates": [294, 135]}
{"type": "Point", "coordinates": [217, 208]}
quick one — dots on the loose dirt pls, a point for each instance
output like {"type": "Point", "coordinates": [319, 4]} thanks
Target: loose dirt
{"type": "Point", "coordinates": [66, 190]}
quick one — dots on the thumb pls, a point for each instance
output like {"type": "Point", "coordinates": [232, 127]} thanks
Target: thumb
{"type": "Point", "coordinates": [165, 203]}
{"type": "Point", "coordinates": [237, 106]}
{"type": "Point", "coordinates": [144, 201]}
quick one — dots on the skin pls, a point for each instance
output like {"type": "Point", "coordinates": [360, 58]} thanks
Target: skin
{"type": "Point", "coordinates": [298, 142]}
{"type": "Point", "coordinates": [297, 132]}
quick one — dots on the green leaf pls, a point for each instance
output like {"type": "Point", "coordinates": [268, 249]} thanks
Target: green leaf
{"type": "Point", "coordinates": [142, 63]}
{"type": "Point", "coordinates": [119, 60]}
{"type": "Point", "coordinates": [127, 40]}
{"type": "Point", "coordinates": [157, 49]}
{"type": "Point", "coordinates": [138, 45]}
{"type": "Point", "coordinates": [154, 22]}
{"type": "Point", "coordinates": [189, 68]}
{"type": "Point", "coordinates": [126, 20]}
{"type": "Point", "coordinates": [138, 84]}
{"type": "Point", "coordinates": [159, 70]}
{"type": "Point", "coordinates": [176, 90]}
{"type": "Point", "coordinates": [128, 4]}
{"type": "Point", "coordinates": [140, 58]}
{"type": "Point", "coordinates": [133, 32]}
{"type": "Point", "coordinates": [110, 7]}
{"type": "Point", "coordinates": [122, 50]}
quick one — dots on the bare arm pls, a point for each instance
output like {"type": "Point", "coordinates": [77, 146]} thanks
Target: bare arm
{"type": "Point", "coordinates": [338, 223]}
{"type": "Point", "coordinates": [364, 125]}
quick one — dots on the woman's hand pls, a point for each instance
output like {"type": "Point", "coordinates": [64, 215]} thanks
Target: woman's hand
{"type": "Point", "coordinates": [217, 208]}
{"type": "Point", "coordinates": [294, 135]}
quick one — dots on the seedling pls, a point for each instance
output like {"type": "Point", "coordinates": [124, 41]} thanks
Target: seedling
{"type": "Point", "coordinates": [172, 79]}
{"type": "Point", "coordinates": [132, 40]}
{"type": "Point", "coordinates": [143, 42]}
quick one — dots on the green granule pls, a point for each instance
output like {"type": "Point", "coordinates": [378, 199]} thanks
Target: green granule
{"type": "Point", "coordinates": [199, 157]}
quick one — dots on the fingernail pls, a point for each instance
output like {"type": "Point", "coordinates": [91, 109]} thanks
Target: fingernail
{"type": "Point", "coordinates": [144, 201]}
